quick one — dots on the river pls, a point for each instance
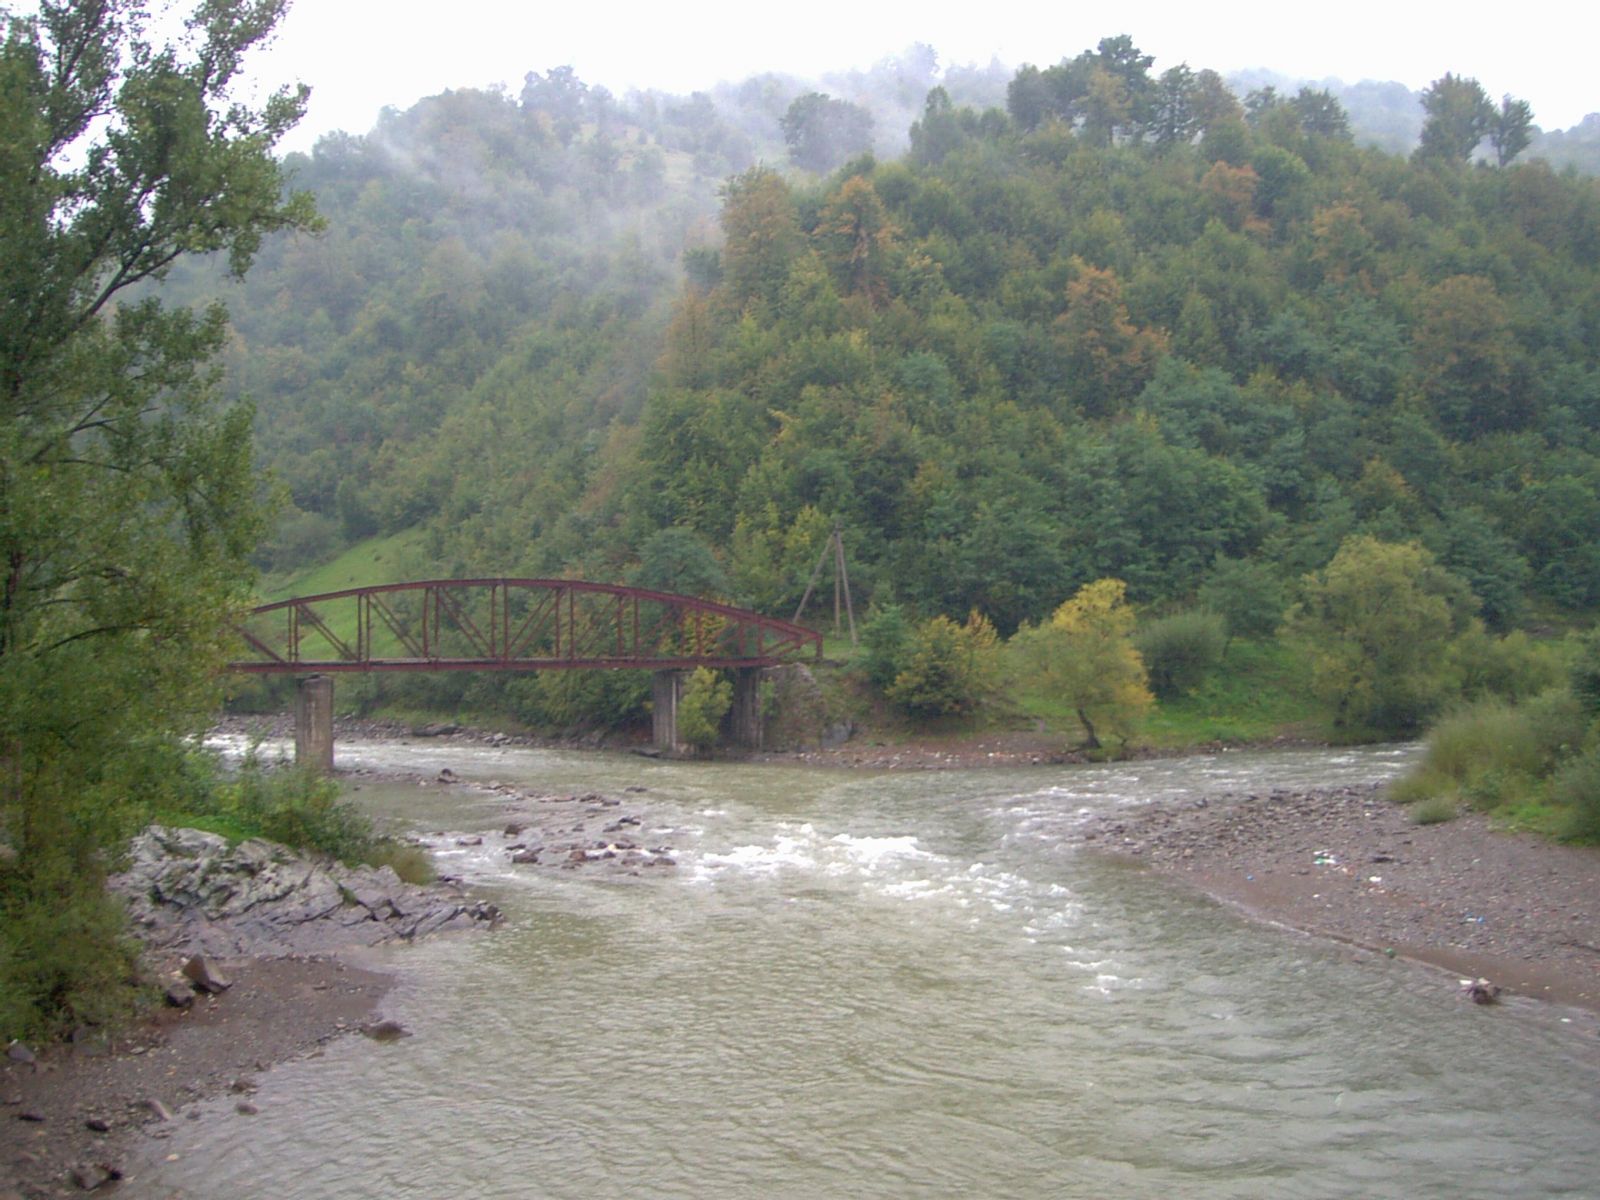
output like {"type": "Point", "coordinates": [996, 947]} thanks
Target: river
{"type": "Point", "coordinates": [892, 985]}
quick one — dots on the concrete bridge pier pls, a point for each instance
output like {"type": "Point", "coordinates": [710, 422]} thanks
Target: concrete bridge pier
{"type": "Point", "coordinates": [666, 689]}
{"type": "Point", "coordinates": [313, 724]}
{"type": "Point", "coordinates": [745, 721]}
{"type": "Point", "coordinates": [747, 726]}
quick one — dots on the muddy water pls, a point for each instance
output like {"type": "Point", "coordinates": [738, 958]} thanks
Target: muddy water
{"type": "Point", "coordinates": [905, 985]}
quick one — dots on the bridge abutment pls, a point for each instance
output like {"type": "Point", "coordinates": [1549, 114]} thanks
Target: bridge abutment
{"type": "Point", "coordinates": [313, 723]}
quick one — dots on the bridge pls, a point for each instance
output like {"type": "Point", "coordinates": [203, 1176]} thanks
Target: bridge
{"type": "Point", "coordinates": [514, 625]}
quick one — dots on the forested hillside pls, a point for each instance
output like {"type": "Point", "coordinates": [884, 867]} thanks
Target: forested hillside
{"type": "Point", "coordinates": [1127, 325]}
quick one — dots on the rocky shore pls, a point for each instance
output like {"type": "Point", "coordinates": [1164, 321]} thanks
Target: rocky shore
{"type": "Point", "coordinates": [567, 831]}
{"type": "Point", "coordinates": [1348, 864]}
{"type": "Point", "coordinates": [242, 941]}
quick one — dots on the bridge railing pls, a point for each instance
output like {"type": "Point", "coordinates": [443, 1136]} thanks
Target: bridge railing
{"type": "Point", "coordinates": [511, 625]}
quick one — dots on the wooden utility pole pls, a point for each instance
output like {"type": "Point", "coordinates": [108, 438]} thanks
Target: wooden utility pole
{"type": "Point", "coordinates": [841, 583]}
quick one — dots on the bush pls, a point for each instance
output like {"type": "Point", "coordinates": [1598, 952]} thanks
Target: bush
{"type": "Point", "coordinates": [579, 699]}
{"type": "Point", "coordinates": [1248, 596]}
{"type": "Point", "coordinates": [1513, 667]}
{"type": "Point", "coordinates": [1577, 787]}
{"type": "Point", "coordinates": [1434, 811]}
{"type": "Point", "coordinates": [65, 957]}
{"type": "Point", "coordinates": [706, 700]}
{"type": "Point", "coordinates": [1493, 753]}
{"type": "Point", "coordinates": [949, 669]}
{"type": "Point", "coordinates": [297, 807]}
{"type": "Point", "coordinates": [1584, 673]}
{"type": "Point", "coordinates": [1179, 650]}
{"type": "Point", "coordinates": [885, 644]}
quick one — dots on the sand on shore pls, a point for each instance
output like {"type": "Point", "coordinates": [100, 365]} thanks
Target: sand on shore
{"type": "Point", "coordinates": [1351, 865]}
{"type": "Point", "coordinates": [85, 1103]}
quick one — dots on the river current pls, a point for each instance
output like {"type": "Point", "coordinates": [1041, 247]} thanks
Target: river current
{"type": "Point", "coordinates": [892, 985]}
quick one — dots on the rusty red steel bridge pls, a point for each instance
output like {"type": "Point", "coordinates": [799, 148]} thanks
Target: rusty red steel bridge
{"type": "Point", "coordinates": [511, 625]}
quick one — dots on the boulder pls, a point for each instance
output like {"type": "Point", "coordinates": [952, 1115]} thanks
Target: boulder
{"type": "Point", "coordinates": [205, 976]}
{"type": "Point", "coordinates": [180, 995]}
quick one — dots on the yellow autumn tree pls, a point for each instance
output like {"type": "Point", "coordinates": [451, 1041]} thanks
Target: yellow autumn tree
{"type": "Point", "coordinates": [1085, 655]}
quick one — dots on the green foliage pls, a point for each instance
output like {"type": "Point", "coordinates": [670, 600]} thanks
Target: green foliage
{"type": "Point", "coordinates": [1459, 116]}
{"type": "Point", "coordinates": [707, 697]}
{"type": "Point", "coordinates": [1501, 757]}
{"type": "Point", "coordinates": [886, 641]}
{"type": "Point", "coordinates": [1314, 339]}
{"type": "Point", "coordinates": [1435, 810]}
{"type": "Point", "coordinates": [1179, 650]}
{"type": "Point", "coordinates": [1256, 694]}
{"type": "Point", "coordinates": [1248, 595]}
{"type": "Point", "coordinates": [127, 492]}
{"type": "Point", "coordinates": [1577, 787]}
{"type": "Point", "coordinates": [1378, 620]}
{"type": "Point", "coordinates": [1085, 655]}
{"type": "Point", "coordinates": [1513, 667]}
{"type": "Point", "coordinates": [677, 560]}
{"type": "Point", "coordinates": [567, 700]}
{"type": "Point", "coordinates": [822, 132]}
{"type": "Point", "coordinates": [1584, 672]}
{"type": "Point", "coordinates": [948, 669]}
{"type": "Point", "coordinates": [297, 807]}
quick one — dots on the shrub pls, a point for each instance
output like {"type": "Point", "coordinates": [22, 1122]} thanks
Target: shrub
{"type": "Point", "coordinates": [885, 644]}
{"type": "Point", "coordinates": [1584, 673]}
{"type": "Point", "coordinates": [1179, 650]}
{"type": "Point", "coordinates": [706, 700]}
{"type": "Point", "coordinates": [1577, 787]}
{"type": "Point", "coordinates": [299, 808]}
{"type": "Point", "coordinates": [949, 669]}
{"type": "Point", "coordinates": [1422, 783]}
{"type": "Point", "coordinates": [1378, 621]}
{"type": "Point", "coordinates": [1513, 667]}
{"type": "Point", "coordinates": [1248, 596]}
{"type": "Point", "coordinates": [579, 699]}
{"type": "Point", "coordinates": [1434, 811]}
{"type": "Point", "coordinates": [65, 958]}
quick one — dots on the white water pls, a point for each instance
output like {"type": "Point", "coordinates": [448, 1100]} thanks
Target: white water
{"type": "Point", "coordinates": [899, 985]}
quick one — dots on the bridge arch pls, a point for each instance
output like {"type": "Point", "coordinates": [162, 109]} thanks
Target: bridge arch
{"type": "Point", "coordinates": [507, 624]}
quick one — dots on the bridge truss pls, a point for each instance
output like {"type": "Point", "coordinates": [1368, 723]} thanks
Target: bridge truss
{"type": "Point", "coordinates": [511, 625]}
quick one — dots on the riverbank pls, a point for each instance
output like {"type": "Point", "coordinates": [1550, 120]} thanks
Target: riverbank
{"type": "Point", "coordinates": [252, 946]}
{"type": "Point", "coordinates": [1350, 865]}
{"type": "Point", "coordinates": [83, 1107]}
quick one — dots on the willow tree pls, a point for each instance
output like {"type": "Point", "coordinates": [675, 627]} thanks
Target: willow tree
{"type": "Point", "coordinates": [127, 494]}
{"type": "Point", "coordinates": [1084, 656]}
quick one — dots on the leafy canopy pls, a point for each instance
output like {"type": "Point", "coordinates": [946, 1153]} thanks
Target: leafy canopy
{"type": "Point", "coordinates": [127, 495]}
{"type": "Point", "coordinates": [1085, 655]}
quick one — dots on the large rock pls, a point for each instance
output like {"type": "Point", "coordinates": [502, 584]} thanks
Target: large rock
{"type": "Point", "coordinates": [187, 890]}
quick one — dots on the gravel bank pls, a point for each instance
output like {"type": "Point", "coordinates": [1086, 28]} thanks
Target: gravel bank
{"type": "Point", "coordinates": [1349, 864]}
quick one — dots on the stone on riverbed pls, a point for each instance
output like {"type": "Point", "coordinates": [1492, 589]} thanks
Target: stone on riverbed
{"type": "Point", "coordinates": [188, 890]}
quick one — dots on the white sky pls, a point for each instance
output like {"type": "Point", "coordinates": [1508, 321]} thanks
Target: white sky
{"type": "Point", "coordinates": [360, 55]}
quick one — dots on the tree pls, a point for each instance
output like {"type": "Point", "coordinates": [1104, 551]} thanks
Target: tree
{"type": "Point", "coordinates": [949, 669]}
{"type": "Point", "coordinates": [823, 132]}
{"type": "Point", "coordinates": [1247, 594]}
{"type": "Point", "coordinates": [707, 697]}
{"type": "Point", "coordinates": [1175, 118]}
{"type": "Point", "coordinates": [1321, 114]}
{"type": "Point", "coordinates": [1108, 357]}
{"type": "Point", "coordinates": [1510, 130]}
{"type": "Point", "coordinates": [126, 488]}
{"type": "Point", "coordinates": [1459, 116]}
{"type": "Point", "coordinates": [1465, 350]}
{"type": "Point", "coordinates": [1085, 656]}
{"type": "Point", "coordinates": [1377, 621]}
